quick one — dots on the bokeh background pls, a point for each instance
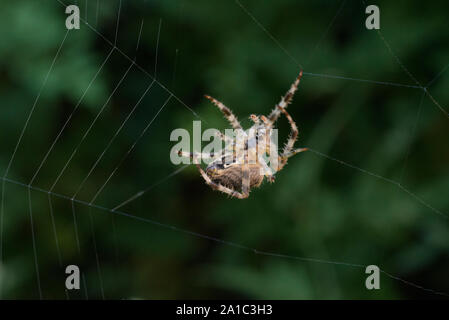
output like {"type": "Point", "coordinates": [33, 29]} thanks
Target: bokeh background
{"type": "Point", "coordinates": [318, 208]}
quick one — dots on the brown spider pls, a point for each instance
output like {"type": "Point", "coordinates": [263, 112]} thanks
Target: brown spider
{"type": "Point", "coordinates": [230, 171]}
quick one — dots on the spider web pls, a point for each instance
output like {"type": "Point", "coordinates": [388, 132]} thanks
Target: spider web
{"type": "Point", "coordinates": [170, 98]}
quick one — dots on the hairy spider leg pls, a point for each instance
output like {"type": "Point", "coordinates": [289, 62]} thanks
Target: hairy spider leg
{"type": "Point", "coordinates": [198, 155]}
{"type": "Point", "coordinates": [265, 121]}
{"type": "Point", "coordinates": [296, 151]}
{"type": "Point", "coordinates": [229, 142]}
{"type": "Point", "coordinates": [285, 101]}
{"type": "Point", "coordinates": [262, 148]}
{"type": "Point", "coordinates": [219, 187]}
{"type": "Point", "coordinates": [246, 179]}
{"type": "Point", "coordinates": [291, 140]}
{"type": "Point", "coordinates": [267, 172]}
{"type": "Point", "coordinates": [226, 112]}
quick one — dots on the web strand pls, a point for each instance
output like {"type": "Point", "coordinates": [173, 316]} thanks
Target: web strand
{"type": "Point", "coordinates": [55, 233]}
{"type": "Point", "coordinates": [267, 33]}
{"type": "Point", "coordinates": [118, 22]}
{"type": "Point", "coordinates": [35, 104]}
{"type": "Point", "coordinates": [85, 10]}
{"type": "Point", "coordinates": [142, 69]}
{"type": "Point", "coordinates": [272, 37]}
{"type": "Point", "coordinates": [113, 139]}
{"type": "Point", "coordinates": [437, 76]}
{"type": "Point", "coordinates": [96, 13]}
{"type": "Point", "coordinates": [70, 117]}
{"type": "Point", "coordinates": [33, 237]}
{"type": "Point", "coordinates": [90, 127]}
{"type": "Point", "coordinates": [144, 191]}
{"type": "Point", "coordinates": [393, 84]}
{"type": "Point", "coordinates": [157, 48]}
{"type": "Point", "coordinates": [75, 225]}
{"type": "Point", "coordinates": [130, 150]}
{"type": "Point", "coordinates": [436, 103]}
{"type": "Point", "coordinates": [97, 258]}
{"type": "Point", "coordinates": [418, 115]}
{"type": "Point", "coordinates": [30, 114]}
{"type": "Point", "coordinates": [214, 239]}
{"type": "Point", "coordinates": [277, 42]}
{"type": "Point", "coordinates": [331, 23]}
{"type": "Point", "coordinates": [140, 35]}
{"type": "Point", "coordinates": [211, 238]}
{"type": "Point", "coordinates": [400, 186]}
{"type": "Point", "coordinates": [417, 86]}
{"type": "Point", "coordinates": [406, 70]}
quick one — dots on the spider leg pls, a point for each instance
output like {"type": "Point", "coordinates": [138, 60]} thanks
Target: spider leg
{"type": "Point", "coordinates": [286, 100]}
{"type": "Point", "coordinates": [296, 151]}
{"type": "Point", "coordinates": [266, 170]}
{"type": "Point", "coordinates": [226, 112]}
{"type": "Point", "coordinates": [294, 132]}
{"type": "Point", "coordinates": [255, 119]}
{"type": "Point", "coordinates": [219, 187]}
{"type": "Point", "coordinates": [265, 121]}
{"type": "Point", "coordinates": [265, 144]}
{"type": "Point", "coordinates": [287, 152]}
{"type": "Point", "coordinates": [229, 142]}
{"type": "Point", "coordinates": [221, 136]}
{"type": "Point", "coordinates": [246, 179]}
{"type": "Point", "coordinates": [284, 157]}
{"type": "Point", "coordinates": [197, 155]}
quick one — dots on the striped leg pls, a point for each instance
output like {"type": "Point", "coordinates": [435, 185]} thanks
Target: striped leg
{"type": "Point", "coordinates": [265, 121]}
{"type": "Point", "coordinates": [197, 155]}
{"type": "Point", "coordinates": [286, 100]}
{"type": "Point", "coordinates": [296, 151]}
{"type": "Point", "coordinates": [283, 159]}
{"type": "Point", "coordinates": [294, 132]}
{"type": "Point", "coordinates": [264, 146]}
{"type": "Point", "coordinates": [229, 142]}
{"type": "Point", "coordinates": [266, 170]}
{"type": "Point", "coordinates": [245, 175]}
{"type": "Point", "coordinates": [226, 112]}
{"type": "Point", "coordinates": [219, 187]}
{"type": "Point", "coordinates": [291, 140]}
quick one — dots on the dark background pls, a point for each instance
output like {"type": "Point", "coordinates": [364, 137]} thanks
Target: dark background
{"type": "Point", "coordinates": [395, 216]}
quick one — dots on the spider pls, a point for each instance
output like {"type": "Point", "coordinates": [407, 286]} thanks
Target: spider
{"type": "Point", "coordinates": [227, 172]}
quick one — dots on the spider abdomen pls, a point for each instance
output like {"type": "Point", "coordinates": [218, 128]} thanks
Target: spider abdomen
{"type": "Point", "coordinates": [232, 176]}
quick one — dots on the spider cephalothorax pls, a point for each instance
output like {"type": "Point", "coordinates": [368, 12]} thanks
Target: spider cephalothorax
{"type": "Point", "coordinates": [241, 164]}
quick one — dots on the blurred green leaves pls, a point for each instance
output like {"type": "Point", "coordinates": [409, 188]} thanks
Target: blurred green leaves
{"type": "Point", "coordinates": [318, 207]}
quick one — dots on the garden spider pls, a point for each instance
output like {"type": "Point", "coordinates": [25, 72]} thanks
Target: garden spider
{"type": "Point", "coordinates": [230, 171]}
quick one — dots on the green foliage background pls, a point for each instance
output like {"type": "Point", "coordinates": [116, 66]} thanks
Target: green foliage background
{"type": "Point", "coordinates": [318, 208]}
